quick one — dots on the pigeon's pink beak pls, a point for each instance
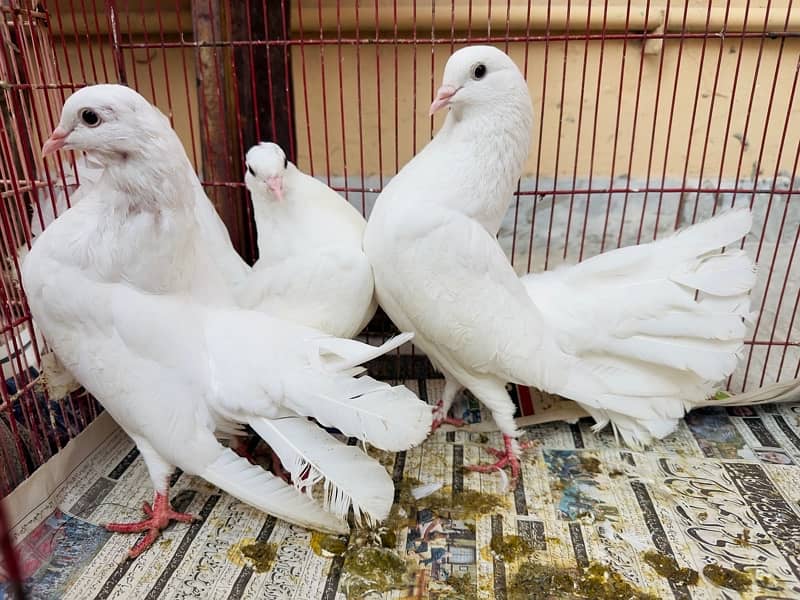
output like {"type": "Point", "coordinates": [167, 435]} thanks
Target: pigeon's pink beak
{"type": "Point", "coordinates": [443, 96]}
{"type": "Point", "coordinates": [276, 185]}
{"type": "Point", "coordinates": [56, 141]}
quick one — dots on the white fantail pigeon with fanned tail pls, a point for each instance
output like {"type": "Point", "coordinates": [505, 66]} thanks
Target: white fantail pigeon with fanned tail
{"type": "Point", "coordinates": [636, 336]}
{"type": "Point", "coordinates": [124, 291]}
{"type": "Point", "coordinates": [311, 266]}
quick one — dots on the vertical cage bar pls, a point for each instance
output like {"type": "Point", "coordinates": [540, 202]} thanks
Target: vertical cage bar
{"type": "Point", "coordinates": [269, 94]}
{"type": "Point", "coordinates": [115, 39]}
{"type": "Point", "coordinates": [217, 147]}
{"type": "Point", "coordinates": [264, 104]}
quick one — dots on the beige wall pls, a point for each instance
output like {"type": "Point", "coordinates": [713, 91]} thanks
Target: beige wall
{"type": "Point", "coordinates": [621, 68]}
{"type": "Point", "coordinates": [573, 124]}
{"type": "Point", "coordinates": [166, 65]}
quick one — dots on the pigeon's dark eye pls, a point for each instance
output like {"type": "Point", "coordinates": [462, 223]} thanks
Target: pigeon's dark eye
{"type": "Point", "coordinates": [478, 71]}
{"type": "Point", "coordinates": [89, 117]}
{"type": "Point", "coordinates": [285, 161]}
{"type": "Point", "coordinates": [250, 170]}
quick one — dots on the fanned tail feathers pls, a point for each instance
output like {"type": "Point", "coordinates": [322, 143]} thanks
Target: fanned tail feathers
{"type": "Point", "coordinates": [657, 325]}
{"type": "Point", "coordinates": [684, 304]}
{"type": "Point", "coordinates": [349, 476]}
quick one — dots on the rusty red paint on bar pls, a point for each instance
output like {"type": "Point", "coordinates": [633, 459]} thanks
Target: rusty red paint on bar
{"type": "Point", "coordinates": [360, 110]}
{"type": "Point", "coordinates": [486, 39]}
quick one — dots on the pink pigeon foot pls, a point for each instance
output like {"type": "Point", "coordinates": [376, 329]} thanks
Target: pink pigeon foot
{"type": "Point", "coordinates": [160, 515]}
{"type": "Point", "coordinates": [440, 419]}
{"type": "Point", "coordinates": [505, 457]}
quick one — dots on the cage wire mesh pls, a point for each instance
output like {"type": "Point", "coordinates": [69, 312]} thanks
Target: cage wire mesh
{"type": "Point", "coordinates": [650, 116]}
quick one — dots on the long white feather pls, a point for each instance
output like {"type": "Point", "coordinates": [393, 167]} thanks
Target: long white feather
{"type": "Point", "coordinates": [729, 274]}
{"type": "Point", "coordinates": [712, 234]}
{"type": "Point", "coordinates": [261, 489]}
{"type": "Point", "coordinates": [389, 418]}
{"type": "Point", "coordinates": [339, 354]}
{"type": "Point", "coordinates": [312, 455]}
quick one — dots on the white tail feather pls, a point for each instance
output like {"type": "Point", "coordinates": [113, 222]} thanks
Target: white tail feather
{"type": "Point", "coordinates": [390, 418]}
{"type": "Point", "coordinates": [654, 326]}
{"type": "Point", "coordinates": [639, 432]}
{"type": "Point", "coordinates": [710, 359]}
{"type": "Point", "coordinates": [257, 487]}
{"type": "Point", "coordinates": [725, 228]}
{"type": "Point", "coordinates": [338, 354]}
{"type": "Point", "coordinates": [698, 324]}
{"type": "Point", "coordinates": [349, 476]}
{"type": "Point", "coordinates": [729, 274]}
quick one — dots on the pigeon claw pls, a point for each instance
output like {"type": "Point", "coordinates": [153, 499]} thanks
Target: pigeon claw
{"type": "Point", "coordinates": [277, 467]}
{"type": "Point", "coordinates": [507, 457]}
{"type": "Point", "coordinates": [439, 419]}
{"type": "Point", "coordinates": [159, 516]}
{"type": "Point", "coordinates": [447, 421]}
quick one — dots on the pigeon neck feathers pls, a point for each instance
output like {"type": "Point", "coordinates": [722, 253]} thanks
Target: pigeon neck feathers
{"type": "Point", "coordinates": [137, 224]}
{"type": "Point", "coordinates": [482, 154]}
{"type": "Point", "coordinates": [155, 179]}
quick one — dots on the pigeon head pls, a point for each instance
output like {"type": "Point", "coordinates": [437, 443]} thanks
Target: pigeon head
{"type": "Point", "coordinates": [265, 168]}
{"type": "Point", "coordinates": [480, 76]}
{"type": "Point", "coordinates": [112, 123]}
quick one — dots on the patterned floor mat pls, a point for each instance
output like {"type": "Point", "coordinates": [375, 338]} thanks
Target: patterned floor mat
{"type": "Point", "coordinates": [712, 512]}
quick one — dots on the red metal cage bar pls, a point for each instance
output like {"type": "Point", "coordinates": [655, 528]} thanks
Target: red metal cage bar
{"type": "Point", "coordinates": [650, 116]}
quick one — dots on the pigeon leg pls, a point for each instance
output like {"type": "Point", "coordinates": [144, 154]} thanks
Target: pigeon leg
{"type": "Point", "coordinates": [439, 418]}
{"type": "Point", "coordinates": [243, 450]}
{"type": "Point", "coordinates": [508, 457]}
{"type": "Point", "coordinates": [159, 516]}
{"type": "Point", "coordinates": [451, 389]}
{"type": "Point", "coordinates": [277, 467]}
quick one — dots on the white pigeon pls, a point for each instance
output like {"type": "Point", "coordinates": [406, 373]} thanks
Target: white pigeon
{"type": "Point", "coordinates": [311, 267]}
{"type": "Point", "coordinates": [124, 290]}
{"type": "Point", "coordinates": [623, 333]}
{"type": "Point", "coordinates": [88, 171]}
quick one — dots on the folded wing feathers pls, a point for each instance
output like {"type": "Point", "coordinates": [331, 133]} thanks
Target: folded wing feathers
{"type": "Point", "coordinates": [349, 476]}
{"type": "Point", "coordinates": [261, 489]}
